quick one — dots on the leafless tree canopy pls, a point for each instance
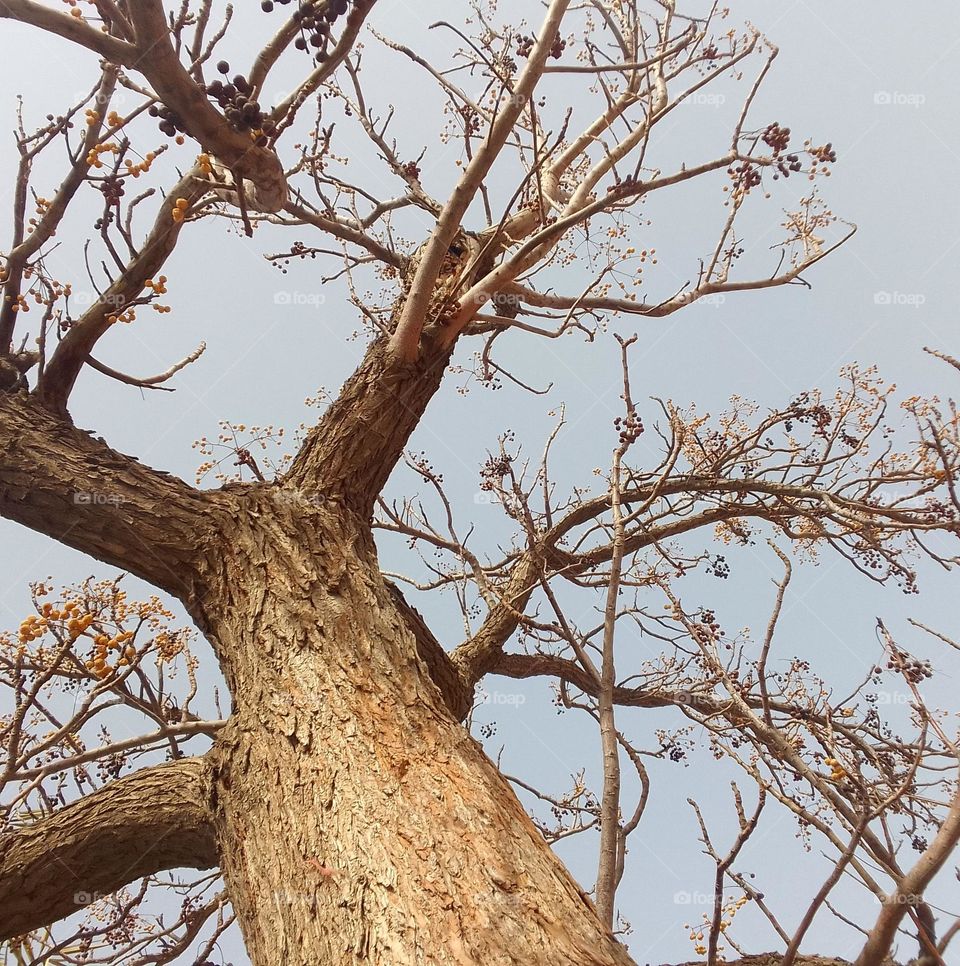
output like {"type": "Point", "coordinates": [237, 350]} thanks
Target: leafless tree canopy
{"type": "Point", "coordinates": [335, 806]}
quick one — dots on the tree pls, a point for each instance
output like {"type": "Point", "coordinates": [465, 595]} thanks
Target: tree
{"type": "Point", "coordinates": [351, 814]}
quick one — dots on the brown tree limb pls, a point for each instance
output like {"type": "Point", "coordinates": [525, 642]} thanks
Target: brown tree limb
{"type": "Point", "coordinates": [149, 382]}
{"type": "Point", "coordinates": [70, 28]}
{"type": "Point", "coordinates": [351, 452]}
{"type": "Point", "coordinates": [61, 481]}
{"type": "Point", "coordinates": [159, 63]}
{"type": "Point", "coordinates": [150, 822]}
{"type": "Point", "coordinates": [413, 316]}
{"type": "Point", "coordinates": [72, 353]}
{"type": "Point", "coordinates": [910, 889]}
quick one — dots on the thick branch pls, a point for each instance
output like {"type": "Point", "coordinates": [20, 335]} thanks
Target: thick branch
{"type": "Point", "coordinates": [70, 28]}
{"type": "Point", "coordinates": [457, 693]}
{"type": "Point", "coordinates": [910, 889]}
{"type": "Point", "coordinates": [60, 481]}
{"type": "Point", "coordinates": [350, 453]}
{"type": "Point", "coordinates": [154, 56]}
{"type": "Point", "coordinates": [177, 89]}
{"type": "Point", "coordinates": [152, 821]}
{"type": "Point", "coordinates": [450, 220]}
{"type": "Point", "coordinates": [74, 349]}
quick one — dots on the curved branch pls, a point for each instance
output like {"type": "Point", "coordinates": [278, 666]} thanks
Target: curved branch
{"type": "Point", "coordinates": [70, 28]}
{"type": "Point", "coordinates": [60, 481]}
{"type": "Point", "coordinates": [74, 350]}
{"type": "Point", "coordinates": [149, 382]}
{"type": "Point", "coordinates": [155, 820]}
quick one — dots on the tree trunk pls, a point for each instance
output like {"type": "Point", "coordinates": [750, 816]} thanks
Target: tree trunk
{"type": "Point", "coordinates": [356, 820]}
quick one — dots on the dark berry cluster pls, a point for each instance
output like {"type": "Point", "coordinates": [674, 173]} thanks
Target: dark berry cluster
{"type": "Point", "coordinates": [718, 567]}
{"type": "Point", "coordinates": [525, 46]}
{"type": "Point", "coordinates": [236, 99]}
{"type": "Point", "coordinates": [786, 164]}
{"type": "Point", "coordinates": [104, 222]}
{"type": "Point", "coordinates": [912, 668]}
{"type": "Point", "coordinates": [494, 470]}
{"type": "Point", "coordinates": [745, 176]}
{"type": "Point", "coordinates": [171, 123]}
{"type": "Point", "coordinates": [629, 427]}
{"type": "Point", "coordinates": [824, 153]}
{"type": "Point", "coordinates": [937, 511]}
{"type": "Point", "coordinates": [112, 190]}
{"type": "Point", "coordinates": [708, 629]}
{"type": "Point", "coordinates": [627, 184]}
{"type": "Point", "coordinates": [776, 138]}
{"type": "Point", "coordinates": [411, 170]}
{"type": "Point", "coordinates": [800, 411]}
{"type": "Point", "coordinates": [471, 121]}
{"type": "Point", "coordinates": [315, 23]}
{"type": "Point", "coordinates": [675, 753]}
{"type": "Point", "coordinates": [420, 463]}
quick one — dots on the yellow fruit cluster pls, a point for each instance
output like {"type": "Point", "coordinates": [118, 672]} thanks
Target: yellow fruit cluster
{"type": "Point", "coordinates": [93, 155]}
{"type": "Point", "coordinates": [31, 629]}
{"type": "Point", "coordinates": [180, 209]}
{"type": "Point", "coordinates": [135, 170]}
{"type": "Point", "coordinates": [204, 164]}
{"type": "Point", "coordinates": [103, 644]}
{"type": "Point", "coordinates": [158, 287]}
{"type": "Point", "coordinates": [128, 315]}
{"type": "Point", "coordinates": [837, 771]}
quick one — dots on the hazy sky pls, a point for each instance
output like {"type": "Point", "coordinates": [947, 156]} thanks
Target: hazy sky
{"type": "Point", "coordinates": [881, 81]}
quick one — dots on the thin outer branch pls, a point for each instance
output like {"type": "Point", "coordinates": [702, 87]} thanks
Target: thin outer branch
{"type": "Point", "coordinates": [406, 339]}
{"type": "Point", "coordinates": [149, 382]}
{"type": "Point", "coordinates": [910, 888]}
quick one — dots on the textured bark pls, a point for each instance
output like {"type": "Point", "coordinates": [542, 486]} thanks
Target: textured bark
{"type": "Point", "coordinates": [457, 692]}
{"type": "Point", "coordinates": [352, 451]}
{"type": "Point", "coordinates": [357, 822]}
{"type": "Point", "coordinates": [152, 821]}
{"type": "Point", "coordinates": [60, 481]}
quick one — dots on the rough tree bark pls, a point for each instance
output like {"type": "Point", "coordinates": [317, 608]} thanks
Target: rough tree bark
{"type": "Point", "coordinates": [355, 819]}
